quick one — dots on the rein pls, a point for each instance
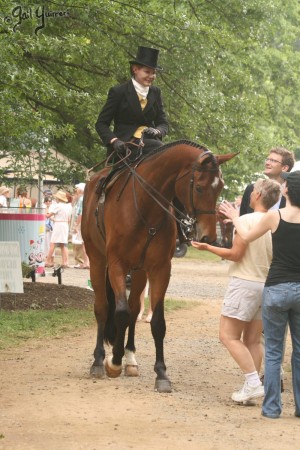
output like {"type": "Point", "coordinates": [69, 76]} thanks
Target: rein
{"type": "Point", "coordinates": [186, 221]}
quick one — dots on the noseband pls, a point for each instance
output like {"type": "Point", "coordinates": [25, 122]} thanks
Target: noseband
{"type": "Point", "coordinates": [187, 222]}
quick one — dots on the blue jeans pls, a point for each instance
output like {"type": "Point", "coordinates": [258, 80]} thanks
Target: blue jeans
{"type": "Point", "coordinates": [281, 305]}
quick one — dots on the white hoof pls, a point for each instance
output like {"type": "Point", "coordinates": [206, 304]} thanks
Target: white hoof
{"type": "Point", "coordinates": [131, 371]}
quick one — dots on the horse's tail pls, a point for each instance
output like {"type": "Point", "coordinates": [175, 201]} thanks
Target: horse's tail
{"type": "Point", "coordinates": [110, 328]}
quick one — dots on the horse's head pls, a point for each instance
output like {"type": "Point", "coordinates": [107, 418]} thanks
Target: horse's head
{"type": "Point", "coordinates": [198, 193]}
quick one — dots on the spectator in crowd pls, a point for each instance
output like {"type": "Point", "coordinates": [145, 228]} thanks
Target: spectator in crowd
{"type": "Point", "coordinates": [76, 239]}
{"type": "Point", "coordinates": [4, 194]}
{"type": "Point", "coordinates": [22, 194]}
{"type": "Point", "coordinates": [77, 225]}
{"type": "Point", "coordinates": [61, 213]}
{"type": "Point", "coordinates": [48, 226]}
{"type": "Point", "coordinates": [279, 160]}
{"type": "Point", "coordinates": [281, 296]}
{"type": "Point", "coordinates": [241, 324]}
{"type": "Point", "coordinates": [142, 307]}
{"type": "Point", "coordinates": [238, 201]}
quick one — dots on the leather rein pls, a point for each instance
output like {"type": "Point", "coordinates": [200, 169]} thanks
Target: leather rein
{"type": "Point", "coordinates": [186, 221]}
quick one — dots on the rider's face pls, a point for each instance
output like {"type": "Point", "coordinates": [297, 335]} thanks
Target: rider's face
{"type": "Point", "coordinates": [144, 75]}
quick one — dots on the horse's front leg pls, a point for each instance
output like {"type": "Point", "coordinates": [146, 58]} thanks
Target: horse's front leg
{"type": "Point", "coordinates": [158, 284]}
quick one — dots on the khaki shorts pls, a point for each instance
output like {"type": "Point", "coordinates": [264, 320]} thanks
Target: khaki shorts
{"type": "Point", "coordinates": [243, 299]}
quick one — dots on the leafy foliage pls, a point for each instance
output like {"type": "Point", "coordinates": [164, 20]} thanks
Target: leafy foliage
{"type": "Point", "coordinates": [230, 73]}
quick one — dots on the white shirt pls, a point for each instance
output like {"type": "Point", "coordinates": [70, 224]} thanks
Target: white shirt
{"type": "Point", "coordinates": [255, 263]}
{"type": "Point", "coordinates": [3, 201]}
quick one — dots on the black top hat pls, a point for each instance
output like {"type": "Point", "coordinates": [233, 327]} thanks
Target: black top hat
{"type": "Point", "coordinates": [147, 57]}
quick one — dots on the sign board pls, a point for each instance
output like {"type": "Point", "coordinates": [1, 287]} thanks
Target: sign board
{"type": "Point", "coordinates": [27, 226]}
{"type": "Point", "coordinates": [10, 268]}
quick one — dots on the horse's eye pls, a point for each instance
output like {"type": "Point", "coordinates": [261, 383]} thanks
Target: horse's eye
{"type": "Point", "coordinates": [198, 188]}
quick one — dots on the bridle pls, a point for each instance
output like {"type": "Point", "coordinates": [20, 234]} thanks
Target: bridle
{"type": "Point", "coordinates": [195, 212]}
{"type": "Point", "coordinates": [186, 221]}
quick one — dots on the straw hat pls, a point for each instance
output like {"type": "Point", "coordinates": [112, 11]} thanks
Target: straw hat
{"type": "Point", "coordinates": [3, 190]}
{"type": "Point", "coordinates": [61, 195]}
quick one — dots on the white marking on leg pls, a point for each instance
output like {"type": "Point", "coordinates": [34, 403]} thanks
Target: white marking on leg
{"type": "Point", "coordinates": [111, 364]}
{"type": "Point", "coordinates": [130, 358]}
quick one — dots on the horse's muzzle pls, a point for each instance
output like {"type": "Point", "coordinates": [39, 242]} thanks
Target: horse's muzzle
{"type": "Point", "coordinates": [205, 240]}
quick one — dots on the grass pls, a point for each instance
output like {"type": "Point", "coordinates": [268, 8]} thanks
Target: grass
{"type": "Point", "coordinates": [19, 326]}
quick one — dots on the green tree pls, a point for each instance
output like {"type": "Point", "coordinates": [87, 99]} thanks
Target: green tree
{"type": "Point", "coordinates": [229, 81]}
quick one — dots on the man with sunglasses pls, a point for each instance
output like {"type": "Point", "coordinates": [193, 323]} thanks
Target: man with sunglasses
{"type": "Point", "coordinates": [279, 160]}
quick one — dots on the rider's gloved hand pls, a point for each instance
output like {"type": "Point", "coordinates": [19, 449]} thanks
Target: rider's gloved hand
{"type": "Point", "coordinates": [153, 132]}
{"type": "Point", "coordinates": [119, 146]}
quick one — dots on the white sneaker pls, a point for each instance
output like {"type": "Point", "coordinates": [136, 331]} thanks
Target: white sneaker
{"type": "Point", "coordinates": [248, 392]}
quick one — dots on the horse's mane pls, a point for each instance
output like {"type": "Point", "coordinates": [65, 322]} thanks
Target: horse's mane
{"type": "Point", "coordinates": [164, 147]}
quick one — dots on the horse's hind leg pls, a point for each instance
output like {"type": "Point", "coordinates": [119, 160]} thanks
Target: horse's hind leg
{"type": "Point", "coordinates": [158, 285]}
{"type": "Point", "coordinates": [97, 368]}
{"type": "Point", "coordinates": [138, 283]}
{"type": "Point", "coordinates": [100, 310]}
{"type": "Point", "coordinates": [113, 364]}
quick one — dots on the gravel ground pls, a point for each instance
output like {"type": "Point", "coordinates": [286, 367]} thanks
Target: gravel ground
{"type": "Point", "coordinates": [48, 400]}
{"type": "Point", "coordinates": [190, 279]}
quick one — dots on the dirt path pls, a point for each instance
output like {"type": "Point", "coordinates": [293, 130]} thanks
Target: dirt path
{"type": "Point", "coordinates": [48, 401]}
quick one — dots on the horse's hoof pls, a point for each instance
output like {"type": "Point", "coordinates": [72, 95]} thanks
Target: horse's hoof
{"type": "Point", "coordinates": [112, 371]}
{"type": "Point", "coordinates": [131, 371]}
{"type": "Point", "coordinates": [97, 372]}
{"type": "Point", "coordinates": [163, 386]}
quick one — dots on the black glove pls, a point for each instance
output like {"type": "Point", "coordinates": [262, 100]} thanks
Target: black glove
{"type": "Point", "coordinates": [119, 146]}
{"type": "Point", "coordinates": [153, 132]}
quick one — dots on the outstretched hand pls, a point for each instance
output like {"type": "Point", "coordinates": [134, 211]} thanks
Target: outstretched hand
{"type": "Point", "coordinates": [228, 210]}
{"type": "Point", "coordinates": [199, 245]}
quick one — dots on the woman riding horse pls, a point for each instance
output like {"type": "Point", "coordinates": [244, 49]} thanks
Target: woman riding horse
{"type": "Point", "coordinates": [135, 107]}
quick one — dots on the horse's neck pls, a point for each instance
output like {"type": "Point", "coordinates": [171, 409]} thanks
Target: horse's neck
{"type": "Point", "coordinates": [167, 165]}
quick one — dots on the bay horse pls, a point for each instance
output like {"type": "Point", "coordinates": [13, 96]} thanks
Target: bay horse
{"type": "Point", "coordinates": [134, 230]}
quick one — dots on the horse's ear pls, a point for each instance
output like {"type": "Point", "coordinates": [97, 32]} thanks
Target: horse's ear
{"type": "Point", "coordinates": [224, 158]}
